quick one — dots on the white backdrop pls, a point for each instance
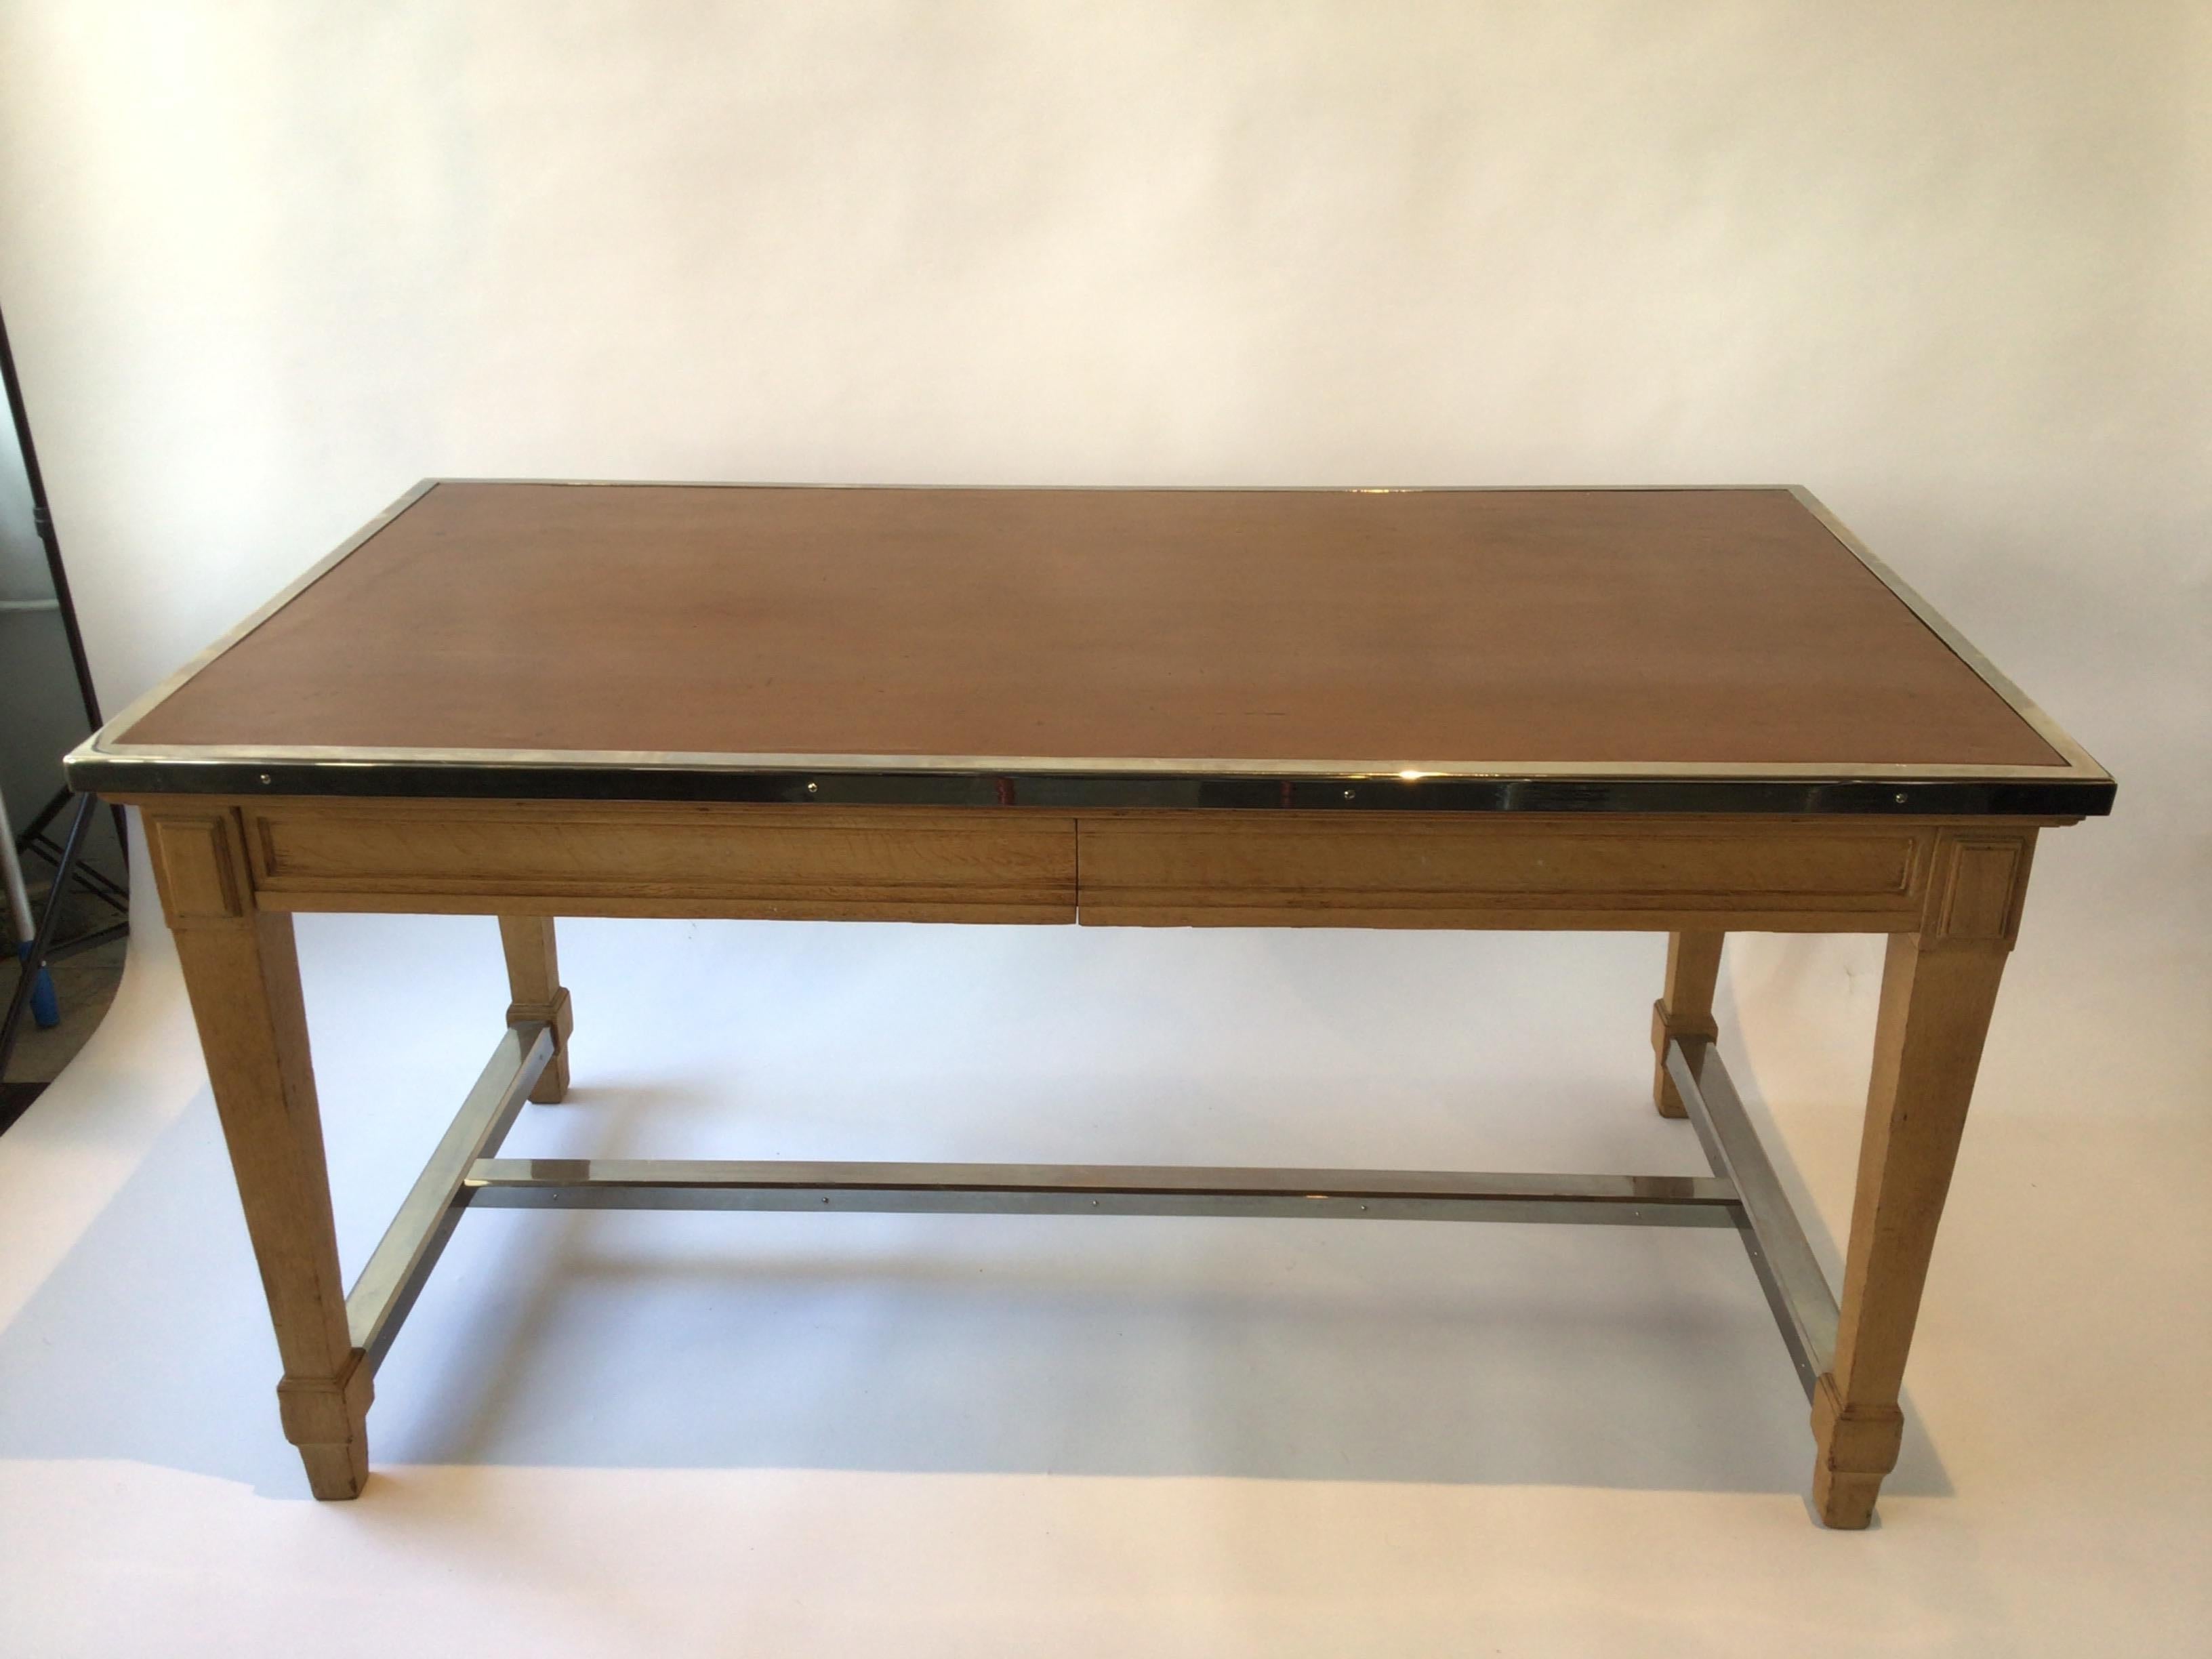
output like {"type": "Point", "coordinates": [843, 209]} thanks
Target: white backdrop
{"type": "Point", "coordinates": [1947, 266]}
{"type": "Point", "coordinates": [266, 264]}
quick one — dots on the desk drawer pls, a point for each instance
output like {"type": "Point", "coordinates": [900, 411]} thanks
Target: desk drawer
{"type": "Point", "coordinates": [1386, 871]}
{"type": "Point", "coordinates": [526, 858]}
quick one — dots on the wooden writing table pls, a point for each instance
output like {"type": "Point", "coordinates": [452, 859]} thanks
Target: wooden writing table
{"type": "Point", "coordinates": [1684, 711]}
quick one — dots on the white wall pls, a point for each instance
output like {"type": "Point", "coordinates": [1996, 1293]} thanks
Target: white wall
{"type": "Point", "coordinates": [268, 263]}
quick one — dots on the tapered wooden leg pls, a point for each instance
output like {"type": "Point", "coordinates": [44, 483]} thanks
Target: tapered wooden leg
{"type": "Point", "coordinates": [1938, 987]}
{"type": "Point", "coordinates": [243, 977]}
{"type": "Point", "coordinates": [534, 978]}
{"type": "Point", "coordinates": [1693, 967]}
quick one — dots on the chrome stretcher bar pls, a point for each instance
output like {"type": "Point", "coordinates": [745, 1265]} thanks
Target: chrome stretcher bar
{"type": "Point", "coordinates": [1110, 1189]}
{"type": "Point", "coordinates": [1797, 1289]}
{"type": "Point", "coordinates": [465, 1171]}
{"type": "Point", "coordinates": [411, 1245]}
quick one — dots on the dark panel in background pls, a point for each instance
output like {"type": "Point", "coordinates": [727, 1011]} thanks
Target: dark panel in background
{"type": "Point", "coordinates": [47, 707]}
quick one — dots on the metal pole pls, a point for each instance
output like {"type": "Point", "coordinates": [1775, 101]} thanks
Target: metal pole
{"type": "Point", "coordinates": [11, 878]}
{"type": "Point", "coordinates": [42, 520]}
{"type": "Point", "coordinates": [36, 961]}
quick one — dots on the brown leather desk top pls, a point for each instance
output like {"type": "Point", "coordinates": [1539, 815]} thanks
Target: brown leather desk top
{"type": "Point", "coordinates": [1579, 633]}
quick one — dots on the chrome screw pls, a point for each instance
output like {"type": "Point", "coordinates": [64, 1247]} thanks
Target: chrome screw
{"type": "Point", "coordinates": [816, 789]}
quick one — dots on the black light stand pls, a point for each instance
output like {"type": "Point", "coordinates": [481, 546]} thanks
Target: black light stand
{"type": "Point", "coordinates": [67, 857]}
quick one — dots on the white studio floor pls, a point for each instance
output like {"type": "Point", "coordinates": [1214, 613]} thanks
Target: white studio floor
{"type": "Point", "coordinates": [693, 1434]}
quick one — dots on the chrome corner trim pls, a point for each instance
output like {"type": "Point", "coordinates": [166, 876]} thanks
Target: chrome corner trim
{"type": "Point", "coordinates": [1797, 1289]}
{"type": "Point", "coordinates": [2079, 762]}
{"type": "Point", "coordinates": [103, 742]}
{"type": "Point", "coordinates": [1086, 1189]}
{"type": "Point", "coordinates": [380, 1299]}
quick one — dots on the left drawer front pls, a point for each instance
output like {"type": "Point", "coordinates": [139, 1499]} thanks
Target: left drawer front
{"type": "Point", "coordinates": [758, 861]}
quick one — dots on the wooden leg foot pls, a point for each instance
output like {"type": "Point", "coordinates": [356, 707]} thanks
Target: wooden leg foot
{"type": "Point", "coordinates": [336, 1473]}
{"type": "Point", "coordinates": [1693, 968]}
{"type": "Point", "coordinates": [327, 1418]}
{"type": "Point", "coordinates": [534, 978]}
{"type": "Point", "coordinates": [1857, 1446]}
{"type": "Point", "coordinates": [1844, 1502]}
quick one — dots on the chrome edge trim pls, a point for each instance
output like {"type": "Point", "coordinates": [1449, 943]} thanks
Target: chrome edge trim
{"type": "Point", "coordinates": [1816, 793]}
{"type": "Point", "coordinates": [100, 744]}
{"type": "Point", "coordinates": [2079, 761]}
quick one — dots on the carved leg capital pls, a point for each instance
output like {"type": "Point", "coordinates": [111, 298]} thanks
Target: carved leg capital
{"type": "Point", "coordinates": [533, 977]}
{"type": "Point", "coordinates": [1693, 967]}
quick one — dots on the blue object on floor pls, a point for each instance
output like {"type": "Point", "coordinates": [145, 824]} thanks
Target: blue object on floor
{"type": "Point", "coordinates": [45, 1007]}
